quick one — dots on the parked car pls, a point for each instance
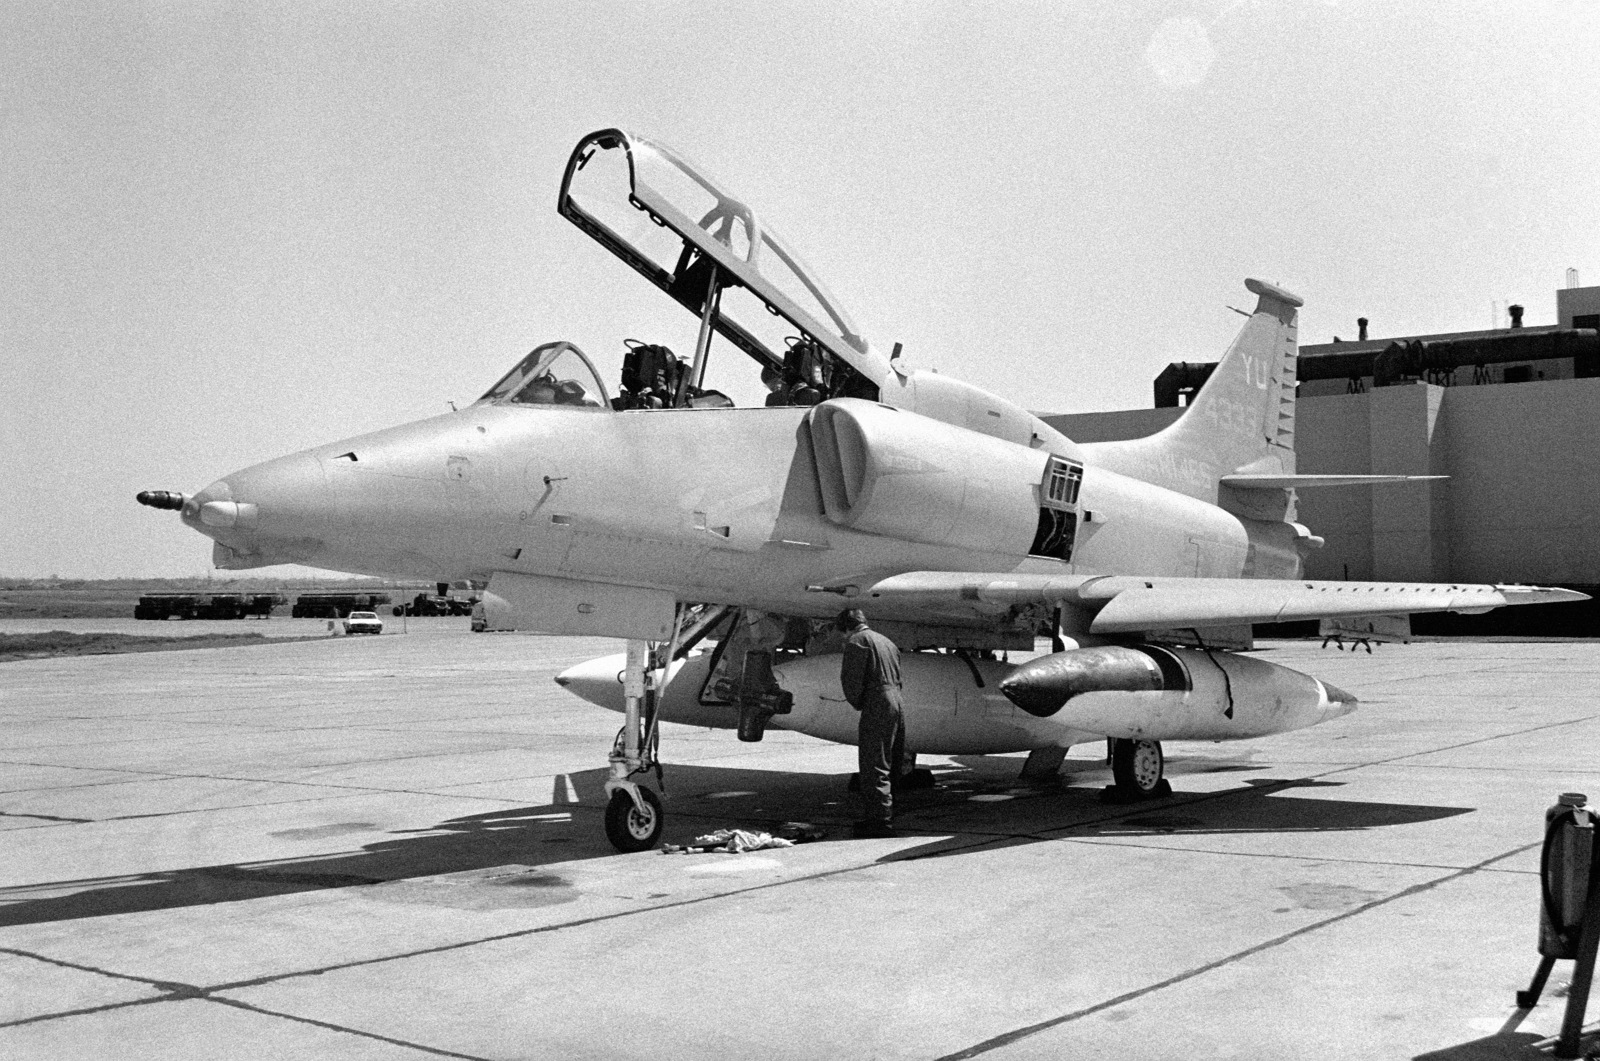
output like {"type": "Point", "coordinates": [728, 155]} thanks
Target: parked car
{"type": "Point", "coordinates": [363, 623]}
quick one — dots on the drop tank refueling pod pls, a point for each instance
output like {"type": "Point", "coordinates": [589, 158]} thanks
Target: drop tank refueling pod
{"type": "Point", "coordinates": [1154, 692]}
{"type": "Point", "coordinates": [971, 706]}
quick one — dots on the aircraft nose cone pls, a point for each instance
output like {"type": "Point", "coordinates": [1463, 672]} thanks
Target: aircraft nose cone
{"type": "Point", "coordinates": [277, 512]}
{"type": "Point", "coordinates": [218, 493]}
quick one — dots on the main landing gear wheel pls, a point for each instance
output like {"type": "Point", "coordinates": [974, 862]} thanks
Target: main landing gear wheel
{"type": "Point", "coordinates": [1137, 767]}
{"type": "Point", "coordinates": [628, 827]}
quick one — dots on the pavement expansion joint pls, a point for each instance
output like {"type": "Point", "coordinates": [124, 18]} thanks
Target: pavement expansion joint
{"type": "Point", "coordinates": [1278, 856]}
{"type": "Point", "coordinates": [46, 818]}
{"type": "Point", "coordinates": [85, 1011]}
{"type": "Point", "coordinates": [345, 1029]}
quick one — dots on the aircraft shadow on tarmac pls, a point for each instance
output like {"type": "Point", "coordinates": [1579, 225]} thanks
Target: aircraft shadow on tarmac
{"type": "Point", "coordinates": [1506, 1046]}
{"type": "Point", "coordinates": [500, 851]}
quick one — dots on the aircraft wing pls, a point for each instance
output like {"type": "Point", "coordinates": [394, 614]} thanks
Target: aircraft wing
{"type": "Point", "coordinates": [1125, 604]}
{"type": "Point", "coordinates": [1302, 482]}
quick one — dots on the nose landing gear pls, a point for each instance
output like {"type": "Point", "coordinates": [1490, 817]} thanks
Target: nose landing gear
{"type": "Point", "coordinates": [634, 815]}
{"type": "Point", "coordinates": [634, 818]}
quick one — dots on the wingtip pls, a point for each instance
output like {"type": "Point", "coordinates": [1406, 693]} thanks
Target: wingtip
{"type": "Point", "coordinates": [1541, 594]}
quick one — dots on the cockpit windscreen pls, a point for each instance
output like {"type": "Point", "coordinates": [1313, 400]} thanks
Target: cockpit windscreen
{"type": "Point", "coordinates": [554, 374]}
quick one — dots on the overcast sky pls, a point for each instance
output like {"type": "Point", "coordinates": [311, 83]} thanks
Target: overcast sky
{"type": "Point", "coordinates": [235, 230]}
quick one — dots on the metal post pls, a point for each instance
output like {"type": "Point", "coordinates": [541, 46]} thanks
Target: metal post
{"type": "Point", "coordinates": [702, 344]}
{"type": "Point", "coordinates": [1530, 998]}
{"type": "Point", "coordinates": [1582, 972]}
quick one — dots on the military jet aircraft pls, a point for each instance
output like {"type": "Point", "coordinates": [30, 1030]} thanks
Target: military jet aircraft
{"type": "Point", "coordinates": [963, 525]}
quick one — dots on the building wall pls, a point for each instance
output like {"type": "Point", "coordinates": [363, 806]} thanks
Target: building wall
{"type": "Point", "coordinates": [1576, 302]}
{"type": "Point", "coordinates": [1525, 482]}
{"type": "Point", "coordinates": [1336, 432]}
{"type": "Point", "coordinates": [1522, 503]}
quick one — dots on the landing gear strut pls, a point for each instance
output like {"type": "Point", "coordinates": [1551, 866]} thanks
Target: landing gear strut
{"type": "Point", "coordinates": [634, 816]}
{"type": "Point", "coordinates": [1137, 767]}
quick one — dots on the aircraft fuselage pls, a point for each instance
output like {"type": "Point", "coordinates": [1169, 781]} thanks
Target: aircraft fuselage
{"type": "Point", "coordinates": [721, 506]}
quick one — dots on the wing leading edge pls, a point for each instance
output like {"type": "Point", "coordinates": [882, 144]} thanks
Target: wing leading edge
{"type": "Point", "coordinates": [1302, 482]}
{"type": "Point", "coordinates": [1126, 604]}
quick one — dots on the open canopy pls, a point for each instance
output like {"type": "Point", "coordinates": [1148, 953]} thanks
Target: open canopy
{"type": "Point", "coordinates": [709, 250]}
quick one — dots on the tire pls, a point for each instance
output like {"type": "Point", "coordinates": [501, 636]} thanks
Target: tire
{"type": "Point", "coordinates": [627, 828]}
{"type": "Point", "coordinates": [1138, 767]}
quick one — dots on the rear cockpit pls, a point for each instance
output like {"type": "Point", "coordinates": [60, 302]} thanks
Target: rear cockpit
{"type": "Point", "coordinates": [715, 257]}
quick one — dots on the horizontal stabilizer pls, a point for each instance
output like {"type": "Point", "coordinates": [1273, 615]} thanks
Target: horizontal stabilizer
{"type": "Point", "coordinates": [1126, 604]}
{"type": "Point", "coordinates": [1300, 482]}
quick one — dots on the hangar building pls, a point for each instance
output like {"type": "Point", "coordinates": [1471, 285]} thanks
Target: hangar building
{"type": "Point", "coordinates": [1508, 414]}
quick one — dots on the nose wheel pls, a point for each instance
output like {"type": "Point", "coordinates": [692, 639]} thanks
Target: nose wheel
{"type": "Point", "coordinates": [634, 825]}
{"type": "Point", "coordinates": [1137, 767]}
{"type": "Point", "coordinates": [634, 816]}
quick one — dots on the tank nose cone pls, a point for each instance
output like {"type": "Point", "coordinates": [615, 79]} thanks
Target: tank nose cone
{"type": "Point", "coordinates": [1042, 686]}
{"type": "Point", "coordinates": [1035, 689]}
{"type": "Point", "coordinates": [1339, 701]}
{"type": "Point", "coordinates": [598, 681]}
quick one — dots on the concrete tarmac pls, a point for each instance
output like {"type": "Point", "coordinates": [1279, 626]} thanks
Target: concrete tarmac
{"type": "Point", "coordinates": [391, 847]}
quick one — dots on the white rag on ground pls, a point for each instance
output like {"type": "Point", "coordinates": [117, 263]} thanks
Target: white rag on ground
{"type": "Point", "coordinates": [734, 841]}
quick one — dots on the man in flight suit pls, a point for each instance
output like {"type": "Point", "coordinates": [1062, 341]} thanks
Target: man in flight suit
{"type": "Point", "coordinates": [870, 675]}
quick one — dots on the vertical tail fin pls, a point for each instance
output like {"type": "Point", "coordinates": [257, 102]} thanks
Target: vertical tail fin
{"type": "Point", "coordinates": [1242, 420]}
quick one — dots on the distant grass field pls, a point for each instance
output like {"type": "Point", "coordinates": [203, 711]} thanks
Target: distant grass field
{"type": "Point", "coordinates": [61, 643]}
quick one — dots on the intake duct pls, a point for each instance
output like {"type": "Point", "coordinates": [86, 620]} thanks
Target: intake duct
{"type": "Point", "coordinates": [891, 472]}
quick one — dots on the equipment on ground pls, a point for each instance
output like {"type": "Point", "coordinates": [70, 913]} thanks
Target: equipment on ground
{"type": "Point", "coordinates": [213, 606]}
{"type": "Point", "coordinates": [1569, 910]}
{"type": "Point", "coordinates": [336, 605]}
{"type": "Point", "coordinates": [428, 604]}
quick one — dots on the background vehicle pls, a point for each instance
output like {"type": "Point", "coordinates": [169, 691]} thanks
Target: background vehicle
{"type": "Point", "coordinates": [363, 623]}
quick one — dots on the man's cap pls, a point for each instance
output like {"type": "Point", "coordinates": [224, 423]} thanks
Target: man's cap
{"type": "Point", "coordinates": [851, 618]}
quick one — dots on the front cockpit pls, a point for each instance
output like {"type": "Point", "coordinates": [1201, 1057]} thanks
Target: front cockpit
{"type": "Point", "coordinates": [553, 374]}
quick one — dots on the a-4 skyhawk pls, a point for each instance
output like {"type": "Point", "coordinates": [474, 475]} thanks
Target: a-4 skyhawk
{"type": "Point", "coordinates": [961, 524]}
